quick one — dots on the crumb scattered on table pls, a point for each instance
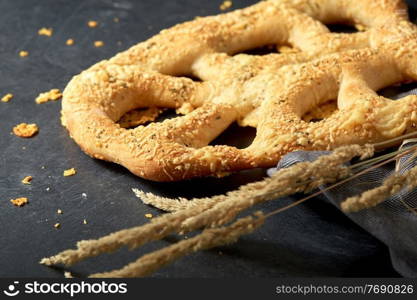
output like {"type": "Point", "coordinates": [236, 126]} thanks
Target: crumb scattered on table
{"type": "Point", "coordinates": [25, 130]}
{"type": "Point", "coordinates": [68, 275]}
{"type": "Point", "coordinates": [7, 97]}
{"type": "Point", "coordinates": [59, 212]}
{"type": "Point", "coordinates": [149, 216]}
{"type": "Point", "coordinates": [47, 189]}
{"type": "Point", "coordinates": [116, 20]}
{"type": "Point", "coordinates": [92, 24]}
{"type": "Point", "coordinates": [57, 225]}
{"type": "Point", "coordinates": [225, 5]}
{"type": "Point", "coordinates": [98, 44]}
{"type": "Point", "coordinates": [84, 195]}
{"type": "Point", "coordinates": [45, 31]}
{"type": "Point", "coordinates": [51, 95]}
{"type": "Point", "coordinates": [69, 42]}
{"type": "Point", "coordinates": [19, 201]}
{"type": "Point", "coordinates": [27, 180]}
{"type": "Point", "coordinates": [70, 172]}
{"type": "Point", "coordinates": [23, 53]}
{"type": "Point", "coordinates": [85, 222]}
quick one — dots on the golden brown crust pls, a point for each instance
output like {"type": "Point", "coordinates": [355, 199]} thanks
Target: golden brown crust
{"type": "Point", "coordinates": [271, 92]}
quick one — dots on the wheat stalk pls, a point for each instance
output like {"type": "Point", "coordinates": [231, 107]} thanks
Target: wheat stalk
{"type": "Point", "coordinates": [214, 213]}
{"type": "Point", "coordinates": [209, 238]}
{"type": "Point", "coordinates": [391, 186]}
{"type": "Point", "coordinates": [223, 209]}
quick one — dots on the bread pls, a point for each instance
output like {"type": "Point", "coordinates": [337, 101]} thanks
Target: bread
{"type": "Point", "coordinates": [271, 92]}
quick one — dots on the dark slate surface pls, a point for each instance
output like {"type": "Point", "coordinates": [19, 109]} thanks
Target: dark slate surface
{"type": "Point", "coordinates": [313, 239]}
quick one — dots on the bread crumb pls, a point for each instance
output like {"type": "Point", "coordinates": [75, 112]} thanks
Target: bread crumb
{"type": "Point", "coordinates": [59, 212]}
{"type": "Point", "coordinates": [23, 53]}
{"type": "Point", "coordinates": [25, 130]}
{"type": "Point", "coordinates": [68, 275]}
{"type": "Point", "coordinates": [116, 20]}
{"type": "Point", "coordinates": [136, 117]}
{"type": "Point", "coordinates": [92, 24]}
{"type": "Point", "coordinates": [84, 195]}
{"type": "Point", "coordinates": [225, 5]}
{"type": "Point", "coordinates": [98, 44]}
{"type": "Point", "coordinates": [7, 97]}
{"type": "Point", "coordinates": [19, 201]}
{"type": "Point", "coordinates": [70, 172]}
{"type": "Point", "coordinates": [69, 42]}
{"type": "Point", "coordinates": [47, 189]}
{"type": "Point", "coordinates": [27, 180]}
{"type": "Point", "coordinates": [45, 31]}
{"type": "Point", "coordinates": [149, 216]}
{"type": "Point", "coordinates": [51, 95]}
{"type": "Point", "coordinates": [57, 225]}
{"type": "Point", "coordinates": [85, 222]}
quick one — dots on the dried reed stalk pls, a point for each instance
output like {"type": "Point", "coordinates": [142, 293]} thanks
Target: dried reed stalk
{"type": "Point", "coordinates": [209, 238]}
{"type": "Point", "coordinates": [218, 210]}
{"type": "Point", "coordinates": [391, 185]}
{"type": "Point", "coordinates": [325, 169]}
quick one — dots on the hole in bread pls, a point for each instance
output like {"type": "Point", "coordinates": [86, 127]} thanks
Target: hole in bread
{"type": "Point", "coordinates": [236, 136]}
{"type": "Point", "coordinates": [191, 76]}
{"type": "Point", "coordinates": [144, 116]}
{"type": "Point", "coordinates": [321, 112]}
{"type": "Point", "coordinates": [168, 113]}
{"type": "Point", "coordinates": [269, 49]}
{"type": "Point", "coordinates": [345, 28]}
{"type": "Point", "coordinates": [412, 13]}
{"type": "Point", "coordinates": [264, 50]}
{"type": "Point", "coordinates": [399, 90]}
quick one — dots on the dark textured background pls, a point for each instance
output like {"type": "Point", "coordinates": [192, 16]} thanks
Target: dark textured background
{"type": "Point", "coordinates": [313, 239]}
